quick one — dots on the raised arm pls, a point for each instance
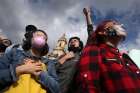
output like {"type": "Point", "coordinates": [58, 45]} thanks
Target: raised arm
{"type": "Point", "coordinates": [87, 14]}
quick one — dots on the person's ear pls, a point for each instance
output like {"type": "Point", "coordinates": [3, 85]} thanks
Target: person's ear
{"type": "Point", "coordinates": [46, 39]}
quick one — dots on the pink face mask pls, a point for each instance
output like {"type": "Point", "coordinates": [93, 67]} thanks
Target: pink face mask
{"type": "Point", "coordinates": [38, 41]}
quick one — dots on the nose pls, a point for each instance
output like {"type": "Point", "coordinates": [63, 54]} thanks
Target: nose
{"type": "Point", "coordinates": [73, 42]}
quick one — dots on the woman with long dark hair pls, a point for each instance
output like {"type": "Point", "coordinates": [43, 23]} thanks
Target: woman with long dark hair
{"type": "Point", "coordinates": [26, 69]}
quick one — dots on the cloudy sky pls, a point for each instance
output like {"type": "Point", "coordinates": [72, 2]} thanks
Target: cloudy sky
{"type": "Point", "coordinates": [65, 16]}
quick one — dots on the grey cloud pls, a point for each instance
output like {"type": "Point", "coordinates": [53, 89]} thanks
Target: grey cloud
{"type": "Point", "coordinates": [8, 20]}
{"type": "Point", "coordinates": [54, 16]}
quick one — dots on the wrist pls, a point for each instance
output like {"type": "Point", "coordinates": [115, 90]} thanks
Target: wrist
{"type": "Point", "coordinates": [87, 15]}
{"type": "Point", "coordinates": [19, 70]}
{"type": "Point", "coordinates": [62, 60]}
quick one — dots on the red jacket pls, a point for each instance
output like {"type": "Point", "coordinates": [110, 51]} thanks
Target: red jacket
{"type": "Point", "coordinates": [102, 69]}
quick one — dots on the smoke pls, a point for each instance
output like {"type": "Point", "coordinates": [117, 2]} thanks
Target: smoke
{"type": "Point", "coordinates": [65, 16]}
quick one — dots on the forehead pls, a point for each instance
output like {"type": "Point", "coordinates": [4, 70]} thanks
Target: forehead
{"type": "Point", "coordinates": [110, 24]}
{"type": "Point", "coordinates": [40, 33]}
{"type": "Point", "coordinates": [3, 36]}
{"type": "Point", "coordinates": [74, 40]}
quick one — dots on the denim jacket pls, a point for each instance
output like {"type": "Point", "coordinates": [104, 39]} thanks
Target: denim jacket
{"type": "Point", "coordinates": [13, 57]}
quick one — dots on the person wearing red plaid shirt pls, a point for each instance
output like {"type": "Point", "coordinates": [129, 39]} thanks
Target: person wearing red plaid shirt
{"type": "Point", "coordinates": [102, 68]}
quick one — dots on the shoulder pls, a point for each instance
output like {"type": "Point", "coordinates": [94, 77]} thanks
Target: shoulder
{"type": "Point", "coordinates": [91, 49]}
{"type": "Point", "coordinates": [13, 48]}
{"type": "Point", "coordinates": [9, 49]}
{"type": "Point", "coordinates": [48, 61]}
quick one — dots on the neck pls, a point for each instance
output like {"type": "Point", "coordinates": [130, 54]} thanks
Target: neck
{"type": "Point", "coordinates": [113, 41]}
{"type": "Point", "coordinates": [35, 52]}
{"type": "Point", "coordinates": [111, 44]}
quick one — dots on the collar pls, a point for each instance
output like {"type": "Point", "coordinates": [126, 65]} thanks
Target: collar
{"type": "Point", "coordinates": [30, 55]}
{"type": "Point", "coordinates": [113, 50]}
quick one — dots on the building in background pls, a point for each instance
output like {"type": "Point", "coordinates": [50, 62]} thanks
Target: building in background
{"type": "Point", "coordinates": [59, 50]}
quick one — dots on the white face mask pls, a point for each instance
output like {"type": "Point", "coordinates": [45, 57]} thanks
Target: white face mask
{"type": "Point", "coordinates": [120, 30]}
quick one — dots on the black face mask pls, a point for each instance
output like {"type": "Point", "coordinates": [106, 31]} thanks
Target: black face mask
{"type": "Point", "coordinates": [74, 49]}
{"type": "Point", "coordinates": [2, 47]}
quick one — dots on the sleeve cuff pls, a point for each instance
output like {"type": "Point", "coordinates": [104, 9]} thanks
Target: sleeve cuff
{"type": "Point", "coordinates": [90, 27]}
{"type": "Point", "coordinates": [13, 73]}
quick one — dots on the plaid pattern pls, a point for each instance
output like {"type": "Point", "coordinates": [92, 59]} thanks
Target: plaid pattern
{"type": "Point", "coordinates": [102, 69]}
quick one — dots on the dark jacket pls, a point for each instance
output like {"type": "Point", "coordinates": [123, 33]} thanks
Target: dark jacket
{"type": "Point", "coordinates": [66, 72]}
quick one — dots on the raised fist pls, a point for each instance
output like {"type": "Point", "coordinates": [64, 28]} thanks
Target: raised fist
{"type": "Point", "coordinates": [87, 11]}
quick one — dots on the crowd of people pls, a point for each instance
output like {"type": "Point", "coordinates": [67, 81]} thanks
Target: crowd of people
{"type": "Point", "coordinates": [97, 67]}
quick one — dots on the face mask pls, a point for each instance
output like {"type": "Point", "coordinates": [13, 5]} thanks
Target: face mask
{"type": "Point", "coordinates": [38, 42]}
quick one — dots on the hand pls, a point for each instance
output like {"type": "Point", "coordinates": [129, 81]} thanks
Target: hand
{"type": "Point", "coordinates": [29, 68]}
{"type": "Point", "coordinates": [28, 61]}
{"type": "Point", "coordinates": [87, 11]}
{"type": "Point", "coordinates": [69, 55]}
{"type": "Point", "coordinates": [66, 57]}
{"type": "Point", "coordinates": [36, 74]}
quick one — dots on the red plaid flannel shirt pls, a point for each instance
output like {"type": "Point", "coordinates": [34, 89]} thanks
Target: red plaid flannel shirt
{"type": "Point", "coordinates": [102, 69]}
